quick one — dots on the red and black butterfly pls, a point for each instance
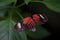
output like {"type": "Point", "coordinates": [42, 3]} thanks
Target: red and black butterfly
{"type": "Point", "coordinates": [30, 23]}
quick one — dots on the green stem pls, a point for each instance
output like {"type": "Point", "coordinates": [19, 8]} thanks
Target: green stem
{"type": "Point", "coordinates": [21, 5]}
{"type": "Point", "coordinates": [19, 14]}
{"type": "Point", "coordinates": [9, 24]}
{"type": "Point", "coordinates": [10, 15]}
{"type": "Point", "coordinates": [25, 3]}
{"type": "Point", "coordinates": [15, 3]}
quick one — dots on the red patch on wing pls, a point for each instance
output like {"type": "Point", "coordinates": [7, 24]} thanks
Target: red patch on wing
{"type": "Point", "coordinates": [36, 18]}
{"type": "Point", "coordinates": [29, 22]}
{"type": "Point", "coordinates": [26, 20]}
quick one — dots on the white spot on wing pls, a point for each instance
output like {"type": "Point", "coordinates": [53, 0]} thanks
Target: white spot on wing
{"type": "Point", "coordinates": [41, 16]}
{"type": "Point", "coordinates": [34, 29]}
{"type": "Point", "coordinates": [19, 25]}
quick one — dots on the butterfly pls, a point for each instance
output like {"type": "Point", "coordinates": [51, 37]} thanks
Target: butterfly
{"type": "Point", "coordinates": [30, 23]}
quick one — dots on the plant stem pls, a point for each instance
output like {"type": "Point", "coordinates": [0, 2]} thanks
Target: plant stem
{"type": "Point", "coordinates": [15, 3]}
{"type": "Point", "coordinates": [21, 5]}
{"type": "Point", "coordinates": [9, 23]}
{"type": "Point", "coordinates": [10, 15]}
{"type": "Point", "coordinates": [19, 14]}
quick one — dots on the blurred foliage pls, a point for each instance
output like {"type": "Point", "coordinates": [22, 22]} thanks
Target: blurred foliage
{"type": "Point", "coordinates": [12, 11]}
{"type": "Point", "coordinates": [6, 2]}
{"type": "Point", "coordinates": [53, 4]}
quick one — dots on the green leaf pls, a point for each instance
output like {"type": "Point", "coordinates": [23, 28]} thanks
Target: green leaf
{"type": "Point", "coordinates": [40, 33]}
{"type": "Point", "coordinates": [53, 4]}
{"type": "Point", "coordinates": [7, 33]}
{"type": "Point", "coordinates": [20, 35]}
{"type": "Point", "coordinates": [27, 1]}
{"type": "Point", "coordinates": [5, 2]}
